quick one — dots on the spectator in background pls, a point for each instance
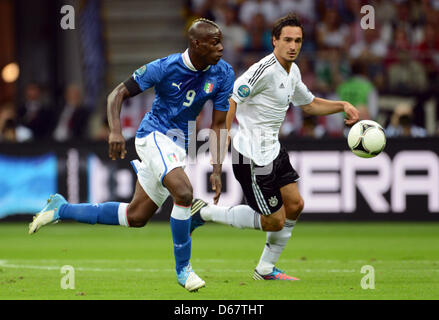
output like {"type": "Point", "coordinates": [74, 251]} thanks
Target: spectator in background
{"type": "Point", "coordinates": [201, 8]}
{"type": "Point", "coordinates": [294, 115]}
{"type": "Point", "coordinates": [306, 67]}
{"type": "Point", "coordinates": [268, 8]}
{"type": "Point", "coordinates": [401, 124]}
{"type": "Point", "coordinates": [372, 51]}
{"type": "Point", "coordinates": [311, 128]}
{"type": "Point", "coordinates": [406, 20]}
{"type": "Point", "coordinates": [10, 130]}
{"type": "Point", "coordinates": [103, 130]}
{"type": "Point", "coordinates": [303, 8]}
{"type": "Point", "coordinates": [359, 91]}
{"type": "Point", "coordinates": [427, 52]}
{"type": "Point", "coordinates": [258, 37]}
{"type": "Point", "coordinates": [407, 75]}
{"type": "Point", "coordinates": [331, 32]}
{"type": "Point", "coordinates": [234, 36]}
{"type": "Point", "coordinates": [385, 11]}
{"type": "Point", "coordinates": [331, 69]}
{"type": "Point", "coordinates": [73, 119]}
{"type": "Point", "coordinates": [35, 114]}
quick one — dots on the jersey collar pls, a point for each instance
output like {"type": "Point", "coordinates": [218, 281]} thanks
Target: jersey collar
{"type": "Point", "coordinates": [187, 61]}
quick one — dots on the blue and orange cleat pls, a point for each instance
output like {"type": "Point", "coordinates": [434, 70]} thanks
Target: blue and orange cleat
{"type": "Point", "coordinates": [276, 274]}
{"type": "Point", "coordinates": [49, 214]}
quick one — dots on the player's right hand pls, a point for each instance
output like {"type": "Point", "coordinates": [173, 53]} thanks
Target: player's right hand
{"type": "Point", "coordinates": [352, 114]}
{"type": "Point", "coordinates": [116, 143]}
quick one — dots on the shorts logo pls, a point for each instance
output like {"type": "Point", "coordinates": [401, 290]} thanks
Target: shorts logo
{"type": "Point", "coordinates": [273, 201]}
{"type": "Point", "coordinates": [208, 87]}
{"type": "Point", "coordinates": [172, 157]}
{"type": "Point", "coordinates": [243, 91]}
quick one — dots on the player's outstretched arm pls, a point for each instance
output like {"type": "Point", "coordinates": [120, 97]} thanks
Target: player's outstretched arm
{"type": "Point", "coordinates": [217, 149]}
{"type": "Point", "coordinates": [323, 107]}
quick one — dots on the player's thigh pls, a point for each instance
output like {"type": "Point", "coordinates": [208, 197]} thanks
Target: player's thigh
{"type": "Point", "coordinates": [141, 208]}
{"type": "Point", "coordinates": [179, 186]}
{"type": "Point", "coordinates": [292, 200]}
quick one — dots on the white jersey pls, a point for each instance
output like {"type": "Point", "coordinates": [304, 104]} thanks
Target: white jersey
{"type": "Point", "coordinates": [263, 94]}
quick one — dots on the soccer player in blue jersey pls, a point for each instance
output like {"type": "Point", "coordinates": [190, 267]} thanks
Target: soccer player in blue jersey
{"type": "Point", "coordinates": [183, 83]}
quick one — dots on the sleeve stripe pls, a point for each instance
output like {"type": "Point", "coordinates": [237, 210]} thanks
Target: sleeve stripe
{"type": "Point", "coordinates": [260, 71]}
{"type": "Point", "coordinates": [260, 67]}
{"type": "Point", "coordinates": [257, 70]}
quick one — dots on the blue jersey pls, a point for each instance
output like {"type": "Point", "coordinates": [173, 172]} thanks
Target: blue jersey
{"type": "Point", "coordinates": [180, 93]}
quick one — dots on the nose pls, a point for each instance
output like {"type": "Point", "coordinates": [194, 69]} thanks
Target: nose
{"type": "Point", "coordinates": [220, 47]}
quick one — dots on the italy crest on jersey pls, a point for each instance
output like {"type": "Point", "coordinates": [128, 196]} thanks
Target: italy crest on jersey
{"type": "Point", "coordinates": [208, 87]}
{"type": "Point", "coordinates": [172, 157]}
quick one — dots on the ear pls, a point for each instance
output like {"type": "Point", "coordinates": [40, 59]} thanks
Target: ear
{"type": "Point", "coordinates": [273, 41]}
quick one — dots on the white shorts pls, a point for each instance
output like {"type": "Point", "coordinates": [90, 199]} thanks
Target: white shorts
{"type": "Point", "coordinates": [159, 155]}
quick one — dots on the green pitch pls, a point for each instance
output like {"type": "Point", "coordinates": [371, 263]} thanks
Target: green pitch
{"type": "Point", "coordinates": [120, 263]}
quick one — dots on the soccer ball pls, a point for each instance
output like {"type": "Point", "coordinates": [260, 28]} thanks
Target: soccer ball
{"type": "Point", "coordinates": [366, 139]}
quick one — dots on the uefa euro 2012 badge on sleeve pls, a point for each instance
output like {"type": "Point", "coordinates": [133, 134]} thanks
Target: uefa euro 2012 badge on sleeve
{"type": "Point", "coordinates": [141, 70]}
{"type": "Point", "coordinates": [244, 91]}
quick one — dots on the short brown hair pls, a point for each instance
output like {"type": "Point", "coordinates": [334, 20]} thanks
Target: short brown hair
{"type": "Point", "coordinates": [291, 20]}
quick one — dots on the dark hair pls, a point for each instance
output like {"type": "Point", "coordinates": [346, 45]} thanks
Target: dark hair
{"type": "Point", "coordinates": [204, 20]}
{"type": "Point", "coordinates": [291, 20]}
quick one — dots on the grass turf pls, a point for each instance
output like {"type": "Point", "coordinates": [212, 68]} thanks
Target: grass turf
{"type": "Point", "coordinates": [120, 263]}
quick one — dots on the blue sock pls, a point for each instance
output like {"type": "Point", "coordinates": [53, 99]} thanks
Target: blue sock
{"type": "Point", "coordinates": [180, 227]}
{"type": "Point", "coordinates": [104, 213]}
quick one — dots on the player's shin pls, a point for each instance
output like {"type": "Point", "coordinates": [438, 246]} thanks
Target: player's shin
{"type": "Point", "coordinates": [180, 226]}
{"type": "Point", "coordinates": [241, 216]}
{"type": "Point", "coordinates": [110, 213]}
{"type": "Point", "coordinates": [275, 244]}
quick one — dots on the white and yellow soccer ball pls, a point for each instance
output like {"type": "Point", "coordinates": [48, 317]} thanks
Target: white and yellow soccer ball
{"type": "Point", "coordinates": [367, 139]}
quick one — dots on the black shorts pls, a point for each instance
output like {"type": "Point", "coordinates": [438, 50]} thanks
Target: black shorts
{"type": "Point", "coordinates": [261, 184]}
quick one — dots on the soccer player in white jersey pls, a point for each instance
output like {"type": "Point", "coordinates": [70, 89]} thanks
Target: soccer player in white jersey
{"type": "Point", "coordinates": [261, 97]}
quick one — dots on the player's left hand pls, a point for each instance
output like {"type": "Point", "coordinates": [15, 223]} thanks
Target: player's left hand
{"type": "Point", "coordinates": [215, 180]}
{"type": "Point", "coordinates": [352, 114]}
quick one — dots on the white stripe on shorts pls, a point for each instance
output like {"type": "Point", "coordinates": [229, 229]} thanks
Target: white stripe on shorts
{"type": "Point", "coordinates": [258, 193]}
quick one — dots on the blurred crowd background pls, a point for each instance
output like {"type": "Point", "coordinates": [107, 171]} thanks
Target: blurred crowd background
{"type": "Point", "coordinates": [391, 73]}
